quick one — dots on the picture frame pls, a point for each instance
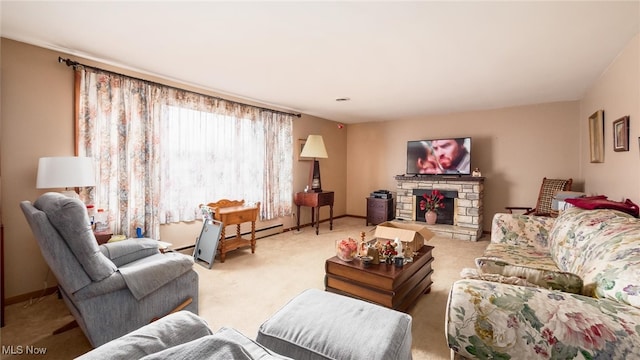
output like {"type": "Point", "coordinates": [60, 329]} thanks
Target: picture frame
{"type": "Point", "coordinates": [596, 136]}
{"type": "Point", "coordinates": [621, 134]}
{"type": "Point", "coordinates": [301, 143]}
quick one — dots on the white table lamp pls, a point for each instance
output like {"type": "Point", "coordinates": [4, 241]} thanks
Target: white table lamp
{"type": "Point", "coordinates": [314, 148]}
{"type": "Point", "coordinates": [65, 172]}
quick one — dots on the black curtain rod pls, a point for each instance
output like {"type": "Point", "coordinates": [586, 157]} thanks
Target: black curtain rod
{"type": "Point", "coordinates": [75, 64]}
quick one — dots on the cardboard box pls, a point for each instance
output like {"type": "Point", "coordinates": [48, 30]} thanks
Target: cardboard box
{"type": "Point", "coordinates": [413, 234]}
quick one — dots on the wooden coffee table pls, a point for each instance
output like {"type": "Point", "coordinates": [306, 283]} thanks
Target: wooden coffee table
{"type": "Point", "coordinates": [394, 287]}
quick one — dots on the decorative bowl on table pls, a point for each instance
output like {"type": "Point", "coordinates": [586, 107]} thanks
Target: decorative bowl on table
{"type": "Point", "coordinates": [346, 249]}
{"type": "Point", "coordinates": [366, 260]}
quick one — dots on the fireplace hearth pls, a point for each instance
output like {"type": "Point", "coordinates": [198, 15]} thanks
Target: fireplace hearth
{"type": "Point", "coordinates": [466, 219]}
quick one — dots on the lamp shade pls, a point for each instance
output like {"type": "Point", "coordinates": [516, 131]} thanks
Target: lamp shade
{"type": "Point", "coordinates": [65, 172]}
{"type": "Point", "coordinates": [314, 147]}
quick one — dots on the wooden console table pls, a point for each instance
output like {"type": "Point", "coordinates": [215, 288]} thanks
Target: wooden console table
{"type": "Point", "coordinates": [315, 200]}
{"type": "Point", "coordinates": [233, 212]}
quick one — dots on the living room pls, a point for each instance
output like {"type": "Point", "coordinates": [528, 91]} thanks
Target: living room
{"type": "Point", "coordinates": [514, 147]}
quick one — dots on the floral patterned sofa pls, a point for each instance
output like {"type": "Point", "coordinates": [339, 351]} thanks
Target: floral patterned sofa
{"type": "Point", "coordinates": [581, 297]}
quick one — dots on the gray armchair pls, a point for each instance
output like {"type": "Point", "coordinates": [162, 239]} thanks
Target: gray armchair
{"type": "Point", "coordinates": [114, 288]}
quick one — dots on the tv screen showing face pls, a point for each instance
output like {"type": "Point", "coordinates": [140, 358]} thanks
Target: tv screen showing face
{"type": "Point", "coordinates": [439, 156]}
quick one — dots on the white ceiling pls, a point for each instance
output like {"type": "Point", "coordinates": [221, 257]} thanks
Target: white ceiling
{"type": "Point", "coordinates": [394, 60]}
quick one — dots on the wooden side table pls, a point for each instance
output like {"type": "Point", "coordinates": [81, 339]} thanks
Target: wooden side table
{"type": "Point", "coordinates": [231, 212]}
{"type": "Point", "coordinates": [315, 200]}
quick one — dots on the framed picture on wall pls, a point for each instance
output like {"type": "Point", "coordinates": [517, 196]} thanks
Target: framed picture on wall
{"type": "Point", "coordinates": [621, 134]}
{"type": "Point", "coordinates": [596, 136]}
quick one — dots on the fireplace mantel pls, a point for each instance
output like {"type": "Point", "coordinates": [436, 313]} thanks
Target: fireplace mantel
{"type": "Point", "coordinates": [468, 223]}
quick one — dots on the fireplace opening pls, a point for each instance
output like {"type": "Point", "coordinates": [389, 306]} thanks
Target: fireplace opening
{"type": "Point", "coordinates": [446, 214]}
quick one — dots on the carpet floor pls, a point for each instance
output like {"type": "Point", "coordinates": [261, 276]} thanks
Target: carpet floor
{"type": "Point", "coordinates": [248, 288]}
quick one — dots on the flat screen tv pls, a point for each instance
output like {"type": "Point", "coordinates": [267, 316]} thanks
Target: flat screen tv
{"type": "Point", "coordinates": [439, 156]}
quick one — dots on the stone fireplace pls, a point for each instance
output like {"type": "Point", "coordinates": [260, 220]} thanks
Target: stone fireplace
{"type": "Point", "coordinates": [463, 203]}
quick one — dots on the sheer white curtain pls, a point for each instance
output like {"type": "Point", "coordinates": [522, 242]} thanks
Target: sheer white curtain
{"type": "Point", "coordinates": [212, 150]}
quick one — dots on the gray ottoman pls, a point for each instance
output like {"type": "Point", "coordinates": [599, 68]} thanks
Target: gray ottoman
{"type": "Point", "coordinates": [322, 325]}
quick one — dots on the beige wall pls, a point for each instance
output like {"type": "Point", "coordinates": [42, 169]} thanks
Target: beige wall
{"type": "Point", "coordinates": [513, 147]}
{"type": "Point", "coordinates": [37, 120]}
{"type": "Point", "coordinates": [617, 92]}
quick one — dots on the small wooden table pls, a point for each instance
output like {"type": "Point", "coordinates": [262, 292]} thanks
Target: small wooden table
{"type": "Point", "coordinates": [394, 287]}
{"type": "Point", "coordinates": [315, 200]}
{"type": "Point", "coordinates": [233, 212]}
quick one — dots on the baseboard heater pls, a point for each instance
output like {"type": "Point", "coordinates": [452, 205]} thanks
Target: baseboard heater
{"type": "Point", "coordinates": [260, 233]}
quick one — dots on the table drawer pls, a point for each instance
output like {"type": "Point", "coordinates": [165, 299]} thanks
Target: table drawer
{"type": "Point", "coordinates": [377, 205]}
{"type": "Point", "coordinates": [377, 219]}
{"type": "Point", "coordinates": [325, 199]}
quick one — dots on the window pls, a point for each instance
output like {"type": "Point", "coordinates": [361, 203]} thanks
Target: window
{"type": "Point", "coordinates": [161, 151]}
{"type": "Point", "coordinates": [207, 157]}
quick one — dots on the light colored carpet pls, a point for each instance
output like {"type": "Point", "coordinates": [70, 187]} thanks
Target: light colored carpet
{"type": "Point", "coordinates": [248, 288]}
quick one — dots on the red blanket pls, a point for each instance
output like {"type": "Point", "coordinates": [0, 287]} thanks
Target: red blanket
{"type": "Point", "coordinates": [601, 202]}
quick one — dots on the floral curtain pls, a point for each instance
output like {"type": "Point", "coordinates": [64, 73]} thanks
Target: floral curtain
{"type": "Point", "coordinates": [162, 151]}
{"type": "Point", "coordinates": [278, 174]}
{"type": "Point", "coordinates": [115, 127]}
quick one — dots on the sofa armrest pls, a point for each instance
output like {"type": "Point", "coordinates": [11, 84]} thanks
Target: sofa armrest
{"type": "Point", "coordinates": [171, 330]}
{"type": "Point", "coordinates": [148, 274]}
{"type": "Point", "coordinates": [490, 320]}
{"type": "Point", "coordinates": [521, 230]}
{"type": "Point", "coordinates": [126, 251]}
{"type": "Point", "coordinates": [141, 277]}
{"type": "Point", "coordinates": [113, 283]}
